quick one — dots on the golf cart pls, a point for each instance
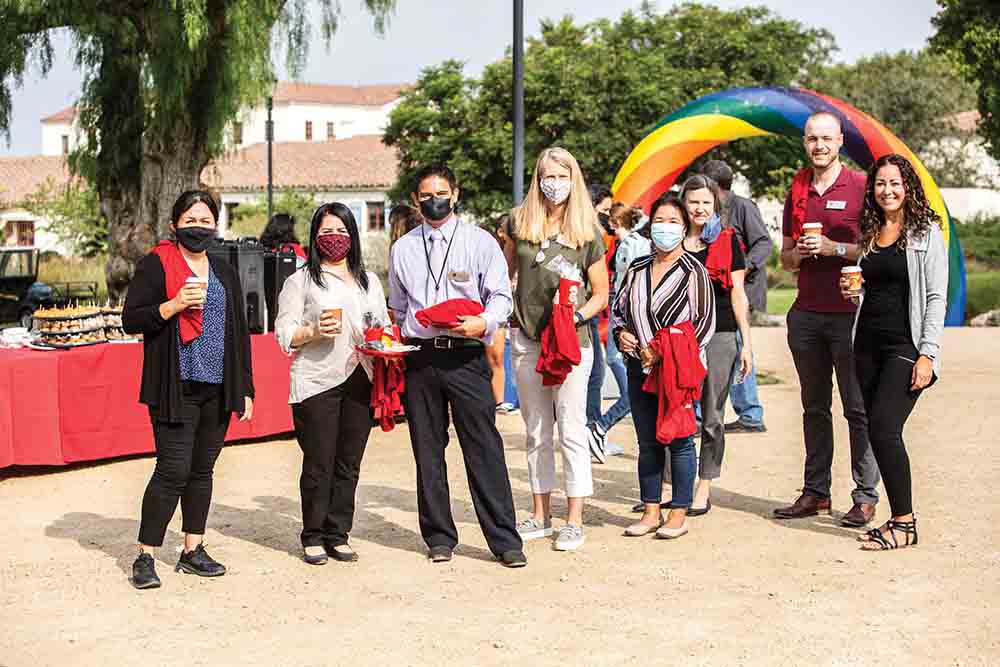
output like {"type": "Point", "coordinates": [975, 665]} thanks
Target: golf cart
{"type": "Point", "coordinates": [21, 294]}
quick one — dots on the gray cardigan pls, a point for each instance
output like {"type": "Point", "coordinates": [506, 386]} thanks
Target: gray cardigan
{"type": "Point", "coordinates": [927, 268]}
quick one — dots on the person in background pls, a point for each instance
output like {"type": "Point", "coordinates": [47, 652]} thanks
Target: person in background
{"type": "Point", "coordinates": [280, 232]}
{"type": "Point", "coordinates": [402, 219]}
{"type": "Point", "coordinates": [498, 351]}
{"type": "Point", "coordinates": [631, 244]}
{"type": "Point", "coordinates": [718, 249]}
{"type": "Point", "coordinates": [600, 198]}
{"type": "Point", "coordinates": [330, 387]}
{"type": "Point", "coordinates": [661, 290]}
{"type": "Point", "coordinates": [897, 330]}
{"type": "Point", "coordinates": [555, 235]}
{"type": "Point", "coordinates": [820, 321]}
{"type": "Point", "coordinates": [196, 372]}
{"type": "Point", "coordinates": [446, 258]}
{"type": "Point", "coordinates": [743, 215]}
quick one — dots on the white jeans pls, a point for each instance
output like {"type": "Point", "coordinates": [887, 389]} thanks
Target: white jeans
{"type": "Point", "coordinates": [542, 407]}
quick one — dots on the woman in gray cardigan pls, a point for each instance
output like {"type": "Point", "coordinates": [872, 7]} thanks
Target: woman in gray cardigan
{"type": "Point", "coordinates": [898, 326]}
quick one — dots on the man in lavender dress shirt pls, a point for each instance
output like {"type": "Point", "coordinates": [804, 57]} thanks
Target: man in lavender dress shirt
{"type": "Point", "coordinates": [446, 258]}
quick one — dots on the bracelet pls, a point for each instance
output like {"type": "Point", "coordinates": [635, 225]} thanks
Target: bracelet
{"type": "Point", "coordinates": [578, 318]}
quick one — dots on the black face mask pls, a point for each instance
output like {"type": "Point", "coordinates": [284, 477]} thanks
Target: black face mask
{"type": "Point", "coordinates": [436, 208]}
{"type": "Point", "coordinates": [605, 221]}
{"type": "Point", "coordinates": [195, 239]}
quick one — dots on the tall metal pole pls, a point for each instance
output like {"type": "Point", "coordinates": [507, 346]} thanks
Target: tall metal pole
{"type": "Point", "coordinates": [269, 131]}
{"type": "Point", "coordinates": [518, 185]}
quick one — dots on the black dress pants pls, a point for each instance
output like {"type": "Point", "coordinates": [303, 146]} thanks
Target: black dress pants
{"type": "Point", "coordinates": [437, 380]}
{"type": "Point", "coordinates": [332, 429]}
{"type": "Point", "coordinates": [885, 372]}
{"type": "Point", "coordinates": [186, 452]}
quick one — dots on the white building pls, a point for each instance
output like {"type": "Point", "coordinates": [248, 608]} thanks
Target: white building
{"type": "Point", "coordinates": [21, 177]}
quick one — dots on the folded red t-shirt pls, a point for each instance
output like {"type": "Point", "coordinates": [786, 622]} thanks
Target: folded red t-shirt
{"type": "Point", "coordinates": [388, 385]}
{"type": "Point", "coordinates": [445, 314]}
{"type": "Point", "coordinates": [800, 199]}
{"type": "Point", "coordinates": [676, 380]}
{"type": "Point", "coordinates": [177, 272]}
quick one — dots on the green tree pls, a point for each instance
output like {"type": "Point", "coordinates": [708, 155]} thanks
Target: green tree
{"type": "Point", "coordinates": [597, 89]}
{"type": "Point", "coordinates": [162, 78]}
{"type": "Point", "coordinates": [970, 29]}
{"type": "Point", "coordinates": [73, 212]}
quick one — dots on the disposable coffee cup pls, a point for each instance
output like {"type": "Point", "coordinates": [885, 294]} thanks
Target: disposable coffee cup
{"type": "Point", "coordinates": [812, 229]}
{"type": "Point", "coordinates": [853, 275]}
{"type": "Point", "coordinates": [202, 283]}
{"type": "Point", "coordinates": [337, 314]}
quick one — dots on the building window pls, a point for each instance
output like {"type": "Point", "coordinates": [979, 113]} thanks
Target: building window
{"type": "Point", "coordinates": [309, 130]}
{"type": "Point", "coordinates": [237, 133]}
{"type": "Point", "coordinates": [376, 215]}
{"type": "Point", "coordinates": [65, 144]}
{"type": "Point", "coordinates": [331, 132]}
{"type": "Point", "coordinates": [20, 234]}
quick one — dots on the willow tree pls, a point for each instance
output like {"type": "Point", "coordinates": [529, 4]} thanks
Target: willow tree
{"type": "Point", "coordinates": [162, 79]}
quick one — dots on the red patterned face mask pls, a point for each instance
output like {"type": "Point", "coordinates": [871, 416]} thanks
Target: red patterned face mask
{"type": "Point", "coordinates": [333, 246]}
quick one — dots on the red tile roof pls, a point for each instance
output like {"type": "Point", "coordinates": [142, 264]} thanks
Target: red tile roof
{"type": "Point", "coordinates": [22, 176]}
{"type": "Point", "coordinates": [321, 93]}
{"type": "Point", "coordinates": [65, 116]}
{"type": "Point", "coordinates": [355, 163]}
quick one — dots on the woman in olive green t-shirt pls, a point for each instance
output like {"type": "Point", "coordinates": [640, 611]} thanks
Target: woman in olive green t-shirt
{"type": "Point", "coordinates": [554, 234]}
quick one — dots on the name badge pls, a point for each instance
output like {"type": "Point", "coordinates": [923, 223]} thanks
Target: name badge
{"type": "Point", "coordinates": [835, 205]}
{"type": "Point", "coordinates": [458, 276]}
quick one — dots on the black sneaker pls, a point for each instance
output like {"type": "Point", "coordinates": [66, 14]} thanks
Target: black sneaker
{"type": "Point", "coordinates": [439, 554]}
{"type": "Point", "coordinates": [513, 559]}
{"type": "Point", "coordinates": [740, 427]}
{"type": "Point", "coordinates": [144, 572]}
{"type": "Point", "coordinates": [200, 563]}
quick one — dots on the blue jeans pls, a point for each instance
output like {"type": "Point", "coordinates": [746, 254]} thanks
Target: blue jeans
{"type": "Point", "coordinates": [746, 403]}
{"type": "Point", "coordinates": [509, 379]}
{"type": "Point", "coordinates": [596, 382]}
{"type": "Point", "coordinates": [621, 408]}
{"type": "Point", "coordinates": [653, 454]}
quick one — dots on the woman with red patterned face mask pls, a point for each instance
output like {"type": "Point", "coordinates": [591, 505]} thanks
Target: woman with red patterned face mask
{"type": "Point", "coordinates": [323, 311]}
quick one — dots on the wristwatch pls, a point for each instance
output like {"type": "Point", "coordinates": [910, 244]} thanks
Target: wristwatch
{"type": "Point", "coordinates": [841, 250]}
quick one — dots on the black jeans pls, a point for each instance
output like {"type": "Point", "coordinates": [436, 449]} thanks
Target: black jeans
{"type": "Point", "coordinates": [459, 379]}
{"type": "Point", "coordinates": [332, 428]}
{"type": "Point", "coordinates": [186, 452]}
{"type": "Point", "coordinates": [885, 373]}
{"type": "Point", "coordinates": [821, 345]}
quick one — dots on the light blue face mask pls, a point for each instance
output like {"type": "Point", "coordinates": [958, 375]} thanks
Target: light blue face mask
{"type": "Point", "coordinates": [666, 235]}
{"type": "Point", "coordinates": [712, 229]}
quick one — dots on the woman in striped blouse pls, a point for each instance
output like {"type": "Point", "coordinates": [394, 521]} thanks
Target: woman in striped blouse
{"type": "Point", "coordinates": [663, 289]}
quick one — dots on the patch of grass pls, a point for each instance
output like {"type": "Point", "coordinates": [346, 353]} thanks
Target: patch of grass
{"type": "Point", "coordinates": [780, 300]}
{"type": "Point", "coordinates": [983, 292]}
{"type": "Point", "coordinates": [54, 268]}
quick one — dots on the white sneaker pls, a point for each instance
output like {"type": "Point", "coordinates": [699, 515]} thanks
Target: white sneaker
{"type": "Point", "coordinates": [533, 529]}
{"type": "Point", "coordinates": [612, 449]}
{"type": "Point", "coordinates": [597, 440]}
{"type": "Point", "coordinates": [570, 538]}
{"type": "Point", "coordinates": [506, 409]}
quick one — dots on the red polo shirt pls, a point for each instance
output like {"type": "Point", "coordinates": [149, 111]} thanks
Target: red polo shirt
{"type": "Point", "coordinates": [839, 209]}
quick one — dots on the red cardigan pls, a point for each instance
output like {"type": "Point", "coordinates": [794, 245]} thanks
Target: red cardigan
{"type": "Point", "coordinates": [676, 380]}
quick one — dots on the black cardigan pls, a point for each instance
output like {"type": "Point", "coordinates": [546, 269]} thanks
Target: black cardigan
{"type": "Point", "coordinates": [161, 368]}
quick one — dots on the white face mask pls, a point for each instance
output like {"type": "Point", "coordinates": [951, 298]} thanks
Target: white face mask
{"type": "Point", "coordinates": [556, 191]}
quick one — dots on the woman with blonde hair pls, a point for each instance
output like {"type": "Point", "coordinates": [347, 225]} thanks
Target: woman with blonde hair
{"type": "Point", "coordinates": [554, 234]}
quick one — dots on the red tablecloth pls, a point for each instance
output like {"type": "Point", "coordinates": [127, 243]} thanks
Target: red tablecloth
{"type": "Point", "coordinates": [65, 406]}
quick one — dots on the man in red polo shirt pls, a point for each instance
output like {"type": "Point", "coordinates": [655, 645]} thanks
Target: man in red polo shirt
{"type": "Point", "coordinates": [820, 321]}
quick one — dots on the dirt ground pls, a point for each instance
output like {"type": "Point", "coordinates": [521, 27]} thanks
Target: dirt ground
{"type": "Point", "coordinates": [740, 589]}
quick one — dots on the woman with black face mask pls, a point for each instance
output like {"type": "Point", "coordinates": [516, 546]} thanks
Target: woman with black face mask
{"type": "Point", "coordinates": [196, 372]}
{"type": "Point", "coordinates": [323, 311]}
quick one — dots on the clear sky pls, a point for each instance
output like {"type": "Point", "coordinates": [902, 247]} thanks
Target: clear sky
{"type": "Point", "coordinates": [426, 32]}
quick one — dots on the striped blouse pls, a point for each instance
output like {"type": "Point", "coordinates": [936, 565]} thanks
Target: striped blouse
{"type": "Point", "coordinates": [684, 295]}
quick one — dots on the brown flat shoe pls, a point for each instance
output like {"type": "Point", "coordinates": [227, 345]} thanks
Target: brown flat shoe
{"type": "Point", "coordinates": [806, 505]}
{"type": "Point", "coordinates": [860, 515]}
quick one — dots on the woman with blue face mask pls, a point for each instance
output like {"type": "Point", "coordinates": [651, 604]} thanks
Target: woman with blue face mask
{"type": "Point", "coordinates": [661, 290]}
{"type": "Point", "coordinates": [719, 249]}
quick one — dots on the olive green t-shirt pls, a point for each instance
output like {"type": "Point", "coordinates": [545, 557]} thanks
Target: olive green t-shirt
{"type": "Point", "coordinates": [538, 281]}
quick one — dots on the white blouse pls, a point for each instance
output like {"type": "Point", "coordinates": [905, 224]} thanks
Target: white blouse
{"type": "Point", "coordinates": [326, 363]}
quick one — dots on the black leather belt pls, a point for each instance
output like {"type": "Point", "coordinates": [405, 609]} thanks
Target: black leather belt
{"type": "Point", "coordinates": [446, 343]}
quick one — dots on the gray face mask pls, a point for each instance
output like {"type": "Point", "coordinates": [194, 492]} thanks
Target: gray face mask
{"type": "Point", "coordinates": [556, 191]}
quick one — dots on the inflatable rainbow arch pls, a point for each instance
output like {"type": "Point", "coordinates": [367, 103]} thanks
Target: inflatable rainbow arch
{"type": "Point", "coordinates": [680, 138]}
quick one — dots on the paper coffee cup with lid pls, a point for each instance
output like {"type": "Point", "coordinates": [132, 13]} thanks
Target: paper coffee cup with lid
{"type": "Point", "coordinates": [853, 275]}
{"type": "Point", "coordinates": [812, 229]}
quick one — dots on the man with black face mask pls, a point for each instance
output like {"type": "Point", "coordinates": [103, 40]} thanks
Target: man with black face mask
{"type": "Point", "coordinates": [441, 260]}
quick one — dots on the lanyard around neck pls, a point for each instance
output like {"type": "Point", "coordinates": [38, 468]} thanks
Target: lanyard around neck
{"type": "Point", "coordinates": [444, 264]}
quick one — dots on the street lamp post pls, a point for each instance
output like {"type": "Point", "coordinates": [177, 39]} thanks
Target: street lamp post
{"type": "Point", "coordinates": [269, 132]}
{"type": "Point", "coordinates": [518, 185]}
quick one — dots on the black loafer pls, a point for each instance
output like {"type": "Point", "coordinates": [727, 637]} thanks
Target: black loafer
{"type": "Point", "coordinates": [349, 556]}
{"type": "Point", "coordinates": [513, 559]}
{"type": "Point", "coordinates": [318, 559]}
{"type": "Point", "coordinates": [144, 572]}
{"type": "Point", "coordinates": [199, 562]}
{"type": "Point", "coordinates": [439, 554]}
{"type": "Point", "coordinates": [639, 508]}
{"type": "Point", "coordinates": [700, 511]}
{"type": "Point", "coordinates": [740, 427]}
